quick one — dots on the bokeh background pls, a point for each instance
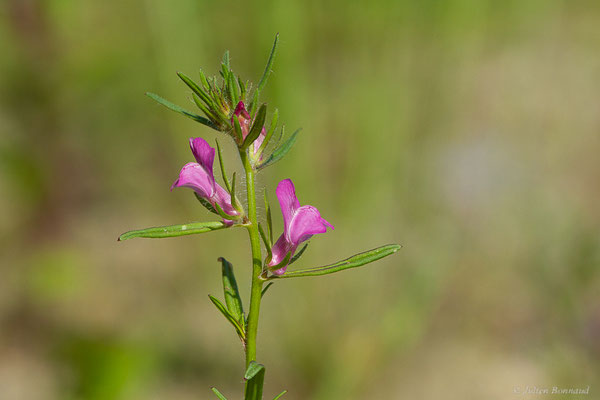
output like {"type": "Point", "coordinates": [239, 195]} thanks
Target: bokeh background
{"type": "Point", "coordinates": [466, 130]}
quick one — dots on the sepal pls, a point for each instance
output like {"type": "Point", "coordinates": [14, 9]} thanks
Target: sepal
{"type": "Point", "coordinates": [299, 254]}
{"type": "Point", "coordinates": [205, 203]}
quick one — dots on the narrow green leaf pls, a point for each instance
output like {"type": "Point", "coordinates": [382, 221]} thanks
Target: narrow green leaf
{"type": "Point", "coordinates": [270, 131]}
{"type": "Point", "coordinates": [222, 165]}
{"type": "Point", "coordinates": [255, 376]}
{"type": "Point", "coordinates": [265, 289]}
{"type": "Point", "coordinates": [203, 80]}
{"type": "Point", "coordinates": [231, 292]}
{"type": "Point", "coordinates": [193, 85]}
{"type": "Point", "coordinates": [280, 394]}
{"type": "Point", "coordinates": [224, 73]}
{"type": "Point", "coordinates": [226, 59]}
{"type": "Point", "coordinates": [176, 108]}
{"type": "Point", "coordinates": [173, 230]}
{"type": "Point", "coordinates": [254, 102]}
{"type": "Point", "coordinates": [220, 395]}
{"type": "Point", "coordinates": [242, 89]}
{"type": "Point", "coordinates": [205, 203]}
{"type": "Point", "coordinates": [352, 262]}
{"type": "Point", "coordinates": [267, 71]}
{"type": "Point", "coordinates": [239, 328]}
{"type": "Point", "coordinates": [269, 219]}
{"type": "Point", "coordinates": [280, 151]}
{"type": "Point", "coordinates": [233, 89]}
{"type": "Point", "coordinates": [232, 191]}
{"type": "Point", "coordinates": [299, 254]}
{"type": "Point", "coordinates": [257, 126]}
{"type": "Point", "coordinates": [202, 106]}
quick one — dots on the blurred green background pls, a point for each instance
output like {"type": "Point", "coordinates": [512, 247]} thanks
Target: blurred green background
{"type": "Point", "coordinates": [466, 130]}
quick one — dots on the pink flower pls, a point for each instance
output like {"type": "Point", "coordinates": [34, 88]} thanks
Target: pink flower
{"type": "Point", "coordinates": [300, 223]}
{"type": "Point", "coordinates": [245, 123]}
{"type": "Point", "coordinates": [199, 177]}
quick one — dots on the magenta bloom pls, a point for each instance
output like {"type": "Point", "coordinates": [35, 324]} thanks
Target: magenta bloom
{"type": "Point", "coordinates": [300, 223]}
{"type": "Point", "coordinates": [199, 177]}
{"type": "Point", "coordinates": [245, 124]}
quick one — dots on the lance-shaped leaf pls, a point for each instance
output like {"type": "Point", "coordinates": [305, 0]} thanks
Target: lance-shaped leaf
{"type": "Point", "coordinates": [239, 328]}
{"type": "Point", "coordinates": [203, 80]}
{"type": "Point", "coordinates": [255, 376]}
{"type": "Point", "coordinates": [231, 291]}
{"type": "Point", "coordinates": [209, 113]}
{"type": "Point", "coordinates": [226, 59]}
{"type": "Point", "coordinates": [254, 102]}
{"type": "Point", "coordinates": [219, 394]}
{"type": "Point", "coordinates": [257, 126]}
{"type": "Point", "coordinates": [352, 262]}
{"type": "Point", "coordinates": [280, 394]}
{"type": "Point", "coordinates": [180, 110]}
{"type": "Point", "coordinates": [280, 151]}
{"type": "Point", "coordinates": [191, 84]}
{"type": "Point", "coordinates": [174, 230]}
{"type": "Point", "coordinates": [233, 89]}
{"type": "Point", "coordinates": [242, 89]}
{"type": "Point", "coordinates": [267, 72]}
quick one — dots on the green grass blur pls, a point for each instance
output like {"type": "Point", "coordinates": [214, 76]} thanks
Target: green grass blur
{"type": "Point", "coordinates": [466, 130]}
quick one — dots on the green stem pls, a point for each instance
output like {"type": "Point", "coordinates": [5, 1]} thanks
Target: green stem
{"type": "Point", "coordinates": [255, 294]}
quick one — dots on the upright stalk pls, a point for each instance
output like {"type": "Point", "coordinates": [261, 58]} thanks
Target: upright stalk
{"type": "Point", "coordinates": [255, 293]}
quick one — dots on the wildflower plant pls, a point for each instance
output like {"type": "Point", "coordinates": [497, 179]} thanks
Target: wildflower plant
{"type": "Point", "coordinates": [232, 106]}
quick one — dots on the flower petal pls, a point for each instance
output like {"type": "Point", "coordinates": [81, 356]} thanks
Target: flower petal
{"type": "Point", "coordinates": [286, 194]}
{"type": "Point", "coordinates": [306, 222]}
{"type": "Point", "coordinates": [192, 175]}
{"type": "Point", "coordinates": [204, 154]}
